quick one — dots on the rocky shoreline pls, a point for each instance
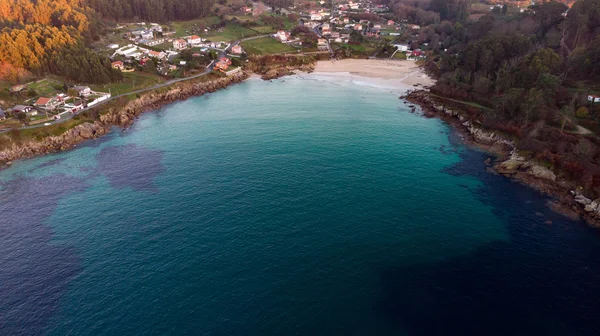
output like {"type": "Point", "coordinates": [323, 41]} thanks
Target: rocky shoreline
{"type": "Point", "coordinates": [566, 198]}
{"type": "Point", "coordinates": [122, 116]}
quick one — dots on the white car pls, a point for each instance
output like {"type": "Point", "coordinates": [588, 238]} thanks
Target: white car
{"type": "Point", "coordinates": [47, 124]}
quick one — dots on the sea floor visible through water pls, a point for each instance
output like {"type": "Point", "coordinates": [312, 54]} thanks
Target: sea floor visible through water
{"type": "Point", "coordinates": [310, 205]}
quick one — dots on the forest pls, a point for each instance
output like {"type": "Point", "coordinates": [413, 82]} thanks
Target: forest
{"type": "Point", "coordinates": [531, 70]}
{"type": "Point", "coordinates": [40, 37]}
{"type": "Point", "coordinates": [50, 36]}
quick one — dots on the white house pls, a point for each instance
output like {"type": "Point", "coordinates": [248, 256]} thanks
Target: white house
{"type": "Point", "coordinates": [316, 17]}
{"type": "Point", "coordinates": [282, 36]}
{"type": "Point", "coordinates": [147, 34]}
{"type": "Point", "coordinates": [83, 90]}
{"type": "Point", "coordinates": [179, 44]}
{"type": "Point", "coordinates": [401, 47]}
{"type": "Point", "coordinates": [594, 98]}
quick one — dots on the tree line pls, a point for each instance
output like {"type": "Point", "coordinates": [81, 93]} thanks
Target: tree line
{"type": "Point", "coordinates": [531, 70]}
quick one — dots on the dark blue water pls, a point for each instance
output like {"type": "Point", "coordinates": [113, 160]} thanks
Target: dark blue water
{"type": "Point", "coordinates": [288, 207]}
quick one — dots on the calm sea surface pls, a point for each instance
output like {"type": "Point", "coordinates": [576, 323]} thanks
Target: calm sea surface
{"type": "Point", "coordinates": [297, 206]}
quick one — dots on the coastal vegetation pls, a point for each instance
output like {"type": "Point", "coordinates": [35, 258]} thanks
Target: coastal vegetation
{"type": "Point", "coordinates": [533, 70]}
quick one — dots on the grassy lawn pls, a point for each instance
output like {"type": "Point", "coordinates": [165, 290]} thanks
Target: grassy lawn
{"type": "Point", "coordinates": [266, 45]}
{"type": "Point", "coordinates": [264, 29]}
{"type": "Point", "coordinates": [131, 81]}
{"type": "Point", "coordinates": [45, 87]}
{"type": "Point", "coordinates": [400, 55]}
{"type": "Point", "coordinates": [229, 33]}
{"type": "Point", "coordinates": [184, 28]}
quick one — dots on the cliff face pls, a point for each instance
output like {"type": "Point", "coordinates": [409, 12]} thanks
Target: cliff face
{"type": "Point", "coordinates": [567, 199]}
{"type": "Point", "coordinates": [121, 116]}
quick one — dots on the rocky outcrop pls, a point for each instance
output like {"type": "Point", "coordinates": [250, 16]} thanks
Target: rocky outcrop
{"type": "Point", "coordinates": [122, 116]}
{"type": "Point", "coordinates": [275, 66]}
{"type": "Point", "coordinates": [510, 163]}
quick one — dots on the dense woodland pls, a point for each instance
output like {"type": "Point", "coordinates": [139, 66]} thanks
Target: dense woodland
{"type": "Point", "coordinates": [151, 10]}
{"type": "Point", "coordinates": [531, 70]}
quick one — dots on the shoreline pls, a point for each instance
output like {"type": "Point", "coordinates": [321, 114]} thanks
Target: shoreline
{"type": "Point", "coordinates": [123, 114]}
{"type": "Point", "coordinates": [507, 161]}
{"type": "Point", "coordinates": [405, 78]}
{"type": "Point", "coordinates": [398, 76]}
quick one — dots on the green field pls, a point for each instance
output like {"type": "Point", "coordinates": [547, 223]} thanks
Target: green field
{"type": "Point", "coordinates": [185, 28]}
{"type": "Point", "coordinates": [266, 45]}
{"type": "Point", "coordinates": [46, 87]}
{"type": "Point", "coordinates": [230, 32]}
{"type": "Point", "coordinates": [264, 29]}
{"type": "Point", "coordinates": [131, 81]}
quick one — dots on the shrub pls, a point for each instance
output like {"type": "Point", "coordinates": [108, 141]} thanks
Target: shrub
{"type": "Point", "coordinates": [582, 112]}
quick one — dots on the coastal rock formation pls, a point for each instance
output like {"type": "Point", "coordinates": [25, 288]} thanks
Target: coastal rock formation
{"type": "Point", "coordinates": [122, 116]}
{"type": "Point", "coordinates": [275, 66]}
{"type": "Point", "coordinates": [510, 163]}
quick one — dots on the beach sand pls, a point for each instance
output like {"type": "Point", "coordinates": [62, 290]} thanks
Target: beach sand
{"type": "Point", "coordinates": [399, 75]}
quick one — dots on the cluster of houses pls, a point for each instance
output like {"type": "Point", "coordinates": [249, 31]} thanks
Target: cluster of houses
{"type": "Point", "coordinates": [149, 36]}
{"type": "Point", "coordinates": [195, 41]}
{"type": "Point", "coordinates": [57, 104]}
{"type": "Point", "coordinates": [336, 26]}
{"type": "Point", "coordinates": [149, 41]}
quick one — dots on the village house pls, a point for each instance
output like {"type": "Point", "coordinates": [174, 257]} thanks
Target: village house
{"type": "Point", "coordinates": [246, 10]}
{"type": "Point", "coordinates": [194, 39]}
{"type": "Point", "coordinates": [17, 88]}
{"type": "Point", "coordinates": [147, 34]}
{"type": "Point", "coordinates": [156, 54]}
{"type": "Point", "coordinates": [346, 20]}
{"type": "Point", "coordinates": [594, 98]}
{"type": "Point", "coordinates": [153, 42]}
{"type": "Point", "coordinates": [391, 22]}
{"type": "Point", "coordinates": [46, 104]}
{"type": "Point", "coordinates": [358, 26]}
{"type": "Point", "coordinates": [179, 44]}
{"type": "Point", "coordinates": [236, 49]}
{"type": "Point", "coordinates": [83, 91]}
{"type": "Point", "coordinates": [118, 65]}
{"type": "Point", "coordinates": [401, 47]}
{"type": "Point", "coordinates": [222, 64]}
{"type": "Point", "coordinates": [23, 108]}
{"type": "Point", "coordinates": [335, 35]}
{"type": "Point", "coordinates": [414, 54]}
{"type": "Point", "coordinates": [2, 114]}
{"type": "Point", "coordinates": [282, 36]}
{"type": "Point", "coordinates": [316, 17]}
{"type": "Point", "coordinates": [322, 44]}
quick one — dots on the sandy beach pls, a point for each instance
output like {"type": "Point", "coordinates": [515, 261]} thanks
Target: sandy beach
{"type": "Point", "coordinates": [391, 74]}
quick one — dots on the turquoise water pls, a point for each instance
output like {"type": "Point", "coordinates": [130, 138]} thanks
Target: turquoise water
{"type": "Point", "coordinates": [297, 206]}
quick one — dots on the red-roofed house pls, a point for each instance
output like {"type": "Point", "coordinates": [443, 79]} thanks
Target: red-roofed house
{"type": "Point", "coordinates": [223, 64]}
{"type": "Point", "coordinates": [118, 65]}
{"type": "Point", "coordinates": [194, 39]}
{"type": "Point", "coordinates": [157, 54]}
{"type": "Point", "coordinates": [47, 104]}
